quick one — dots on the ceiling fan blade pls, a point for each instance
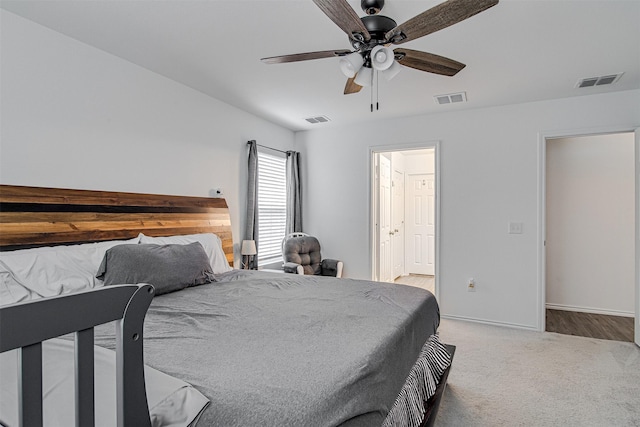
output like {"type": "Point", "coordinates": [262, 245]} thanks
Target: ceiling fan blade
{"type": "Point", "coordinates": [428, 62]}
{"type": "Point", "coordinates": [343, 15]}
{"type": "Point", "coordinates": [305, 56]}
{"type": "Point", "coordinates": [438, 17]}
{"type": "Point", "coordinates": [352, 86]}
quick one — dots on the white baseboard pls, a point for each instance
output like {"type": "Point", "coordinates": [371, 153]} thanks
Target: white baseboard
{"type": "Point", "coordinates": [590, 310]}
{"type": "Point", "coordinates": [490, 322]}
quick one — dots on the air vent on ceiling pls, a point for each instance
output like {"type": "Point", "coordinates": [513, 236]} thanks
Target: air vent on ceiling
{"type": "Point", "coordinates": [599, 81]}
{"type": "Point", "coordinates": [318, 119]}
{"type": "Point", "coordinates": [451, 98]}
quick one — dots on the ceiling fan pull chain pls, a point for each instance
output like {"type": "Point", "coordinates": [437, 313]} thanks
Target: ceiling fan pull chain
{"type": "Point", "coordinates": [371, 95]}
{"type": "Point", "coordinates": [377, 90]}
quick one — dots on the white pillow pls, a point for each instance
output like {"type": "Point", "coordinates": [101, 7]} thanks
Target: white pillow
{"type": "Point", "coordinates": [12, 291]}
{"type": "Point", "coordinates": [210, 242]}
{"type": "Point", "coordinates": [172, 402]}
{"type": "Point", "coordinates": [53, 270]}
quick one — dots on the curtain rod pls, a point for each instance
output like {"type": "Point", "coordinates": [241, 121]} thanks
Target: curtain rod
{"type": "Point", "coordinates": [270, 148]}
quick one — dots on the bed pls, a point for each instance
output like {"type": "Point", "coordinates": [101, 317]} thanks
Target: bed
{"type": "Point", "coordinates": [263, 348]}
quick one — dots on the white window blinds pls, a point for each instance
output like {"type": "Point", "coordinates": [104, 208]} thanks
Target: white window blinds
{"type": "Point", "coordinates": [272, 206]}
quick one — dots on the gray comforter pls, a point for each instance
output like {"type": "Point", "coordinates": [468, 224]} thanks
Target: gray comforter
{"type": "Point", "coordinates": [274, 349]}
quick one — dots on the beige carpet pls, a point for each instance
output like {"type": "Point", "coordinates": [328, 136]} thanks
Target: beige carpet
{"type": "Point", "coordinates": [419, 281]}
{"type": "Point", "coordinates": [510, 377]}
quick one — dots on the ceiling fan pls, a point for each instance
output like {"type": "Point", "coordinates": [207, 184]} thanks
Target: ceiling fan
{"type": "Point", "coordinates": [371, 35]}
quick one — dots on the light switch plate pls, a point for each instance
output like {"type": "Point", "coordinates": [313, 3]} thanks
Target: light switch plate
{"type": "Point", "coordinates": [515, 228]}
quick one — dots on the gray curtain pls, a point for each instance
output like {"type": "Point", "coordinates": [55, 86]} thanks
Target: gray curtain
{"type": "Point", "coordinates": [251, 231]}
{"type": "Point", "coordinates": [294, 197]}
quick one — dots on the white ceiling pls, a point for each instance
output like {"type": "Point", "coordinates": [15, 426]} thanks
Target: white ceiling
{"type": "Point", "coordinates": [518, 51]}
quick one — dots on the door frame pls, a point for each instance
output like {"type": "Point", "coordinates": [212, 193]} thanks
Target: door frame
{"type": "Point", "coordinates": [398, 235]}
{"type": "Point", "coordinates": [542, 173]}
{"type": "Point", "coordinates": [382, 212]}
{"type": "Point", "coordinates": [372, 200]}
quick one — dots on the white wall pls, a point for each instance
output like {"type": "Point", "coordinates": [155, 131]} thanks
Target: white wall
{"type": "Point", "coordinates": [489, 176]}
{"type": "Point", "coordinates": [420, 163]}
{"type": "Point", "coordinates": [590, 225]}
{"type": "Point", "coordinates": [74, 116]}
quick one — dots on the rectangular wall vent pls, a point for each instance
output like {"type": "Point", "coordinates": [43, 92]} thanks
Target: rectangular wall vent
{"type": "Point", "coordinates": [318, 119]}
{"type": "Point", "coordinates": [599, 81]}
{"type": "Point", "coordinates": [451, 98]}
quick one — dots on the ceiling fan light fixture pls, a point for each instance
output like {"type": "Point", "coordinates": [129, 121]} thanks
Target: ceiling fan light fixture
{"type": "Point", "coordinates": [364, 77]}
{"type": "Point", "coordinates": [381, 57]}
{"type": "Point", "coordinates": [351, 64]}
{"type": "Point", "coordinates": [371, 7]}
{"type": "Point", "coordinates": [392, 71]}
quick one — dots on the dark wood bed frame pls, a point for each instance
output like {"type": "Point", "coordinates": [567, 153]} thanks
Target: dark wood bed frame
{"type": "Point", "coordinates": [433, 404]}
{"type": "Point", "coordinates": [39, 216]}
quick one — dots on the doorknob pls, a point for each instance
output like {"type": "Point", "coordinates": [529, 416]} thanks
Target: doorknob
{"type": "Point", "coordinates": [391, 233]}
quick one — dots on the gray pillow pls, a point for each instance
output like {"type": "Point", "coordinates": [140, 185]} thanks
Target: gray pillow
{"type": "Point", "coordinates": [168, 268]}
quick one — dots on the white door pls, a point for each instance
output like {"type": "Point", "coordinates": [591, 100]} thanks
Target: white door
{"type": "Point", "coordinates": [420, 224]}
{"type": "Point", "coordinates": [397, 214]}
{"type": "Point", "coordinates": [384, 223]}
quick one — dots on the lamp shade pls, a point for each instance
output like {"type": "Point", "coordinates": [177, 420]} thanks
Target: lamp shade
{"type": "Point", "coordinates": [364, 77]}
{"type": "Point", "coordinates": [392, 71]}
{"type": "Point", "coordinates": [381, 58]}
{"type": "Point", "coordinates": [351, 64]}
{"type": "Point", "coordinates": [248, 247]}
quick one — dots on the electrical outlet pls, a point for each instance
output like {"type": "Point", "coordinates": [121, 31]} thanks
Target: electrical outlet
{"type": "Point", "coordinates": [216, 192]}
{"type": "Point", "coordinates": [471, 285]}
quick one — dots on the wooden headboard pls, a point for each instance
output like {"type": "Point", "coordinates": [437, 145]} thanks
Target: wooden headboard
{"type": "Point", "coordinates": [38, 216]}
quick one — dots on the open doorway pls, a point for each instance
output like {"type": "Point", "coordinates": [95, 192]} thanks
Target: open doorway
{"type": "Point", "coordinates": [590, 237]}
{"type": "Point", "coordinates": [404, 212]}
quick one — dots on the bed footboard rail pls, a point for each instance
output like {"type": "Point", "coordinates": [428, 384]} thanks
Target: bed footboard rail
{"type": "Point", "coordinates": [26, 325]}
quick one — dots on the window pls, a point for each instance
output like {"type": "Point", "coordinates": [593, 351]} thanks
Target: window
{"type": "Point", "coordinates": [272, 206]}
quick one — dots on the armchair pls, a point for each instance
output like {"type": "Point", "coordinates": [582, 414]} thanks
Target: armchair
{"type": "Point", "coordinates": [301, 254]}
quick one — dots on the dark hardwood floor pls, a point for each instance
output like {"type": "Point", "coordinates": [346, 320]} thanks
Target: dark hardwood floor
{"type": "Point", "coordinates": [616, 328]}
